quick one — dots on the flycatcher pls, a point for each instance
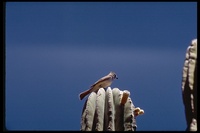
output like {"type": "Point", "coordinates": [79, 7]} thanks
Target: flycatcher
{"type": "Point", "coordinates": [103, 82]}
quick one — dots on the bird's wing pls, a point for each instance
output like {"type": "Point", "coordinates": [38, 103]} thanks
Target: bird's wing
{"type": "Point", "coordinates": [100, 80]}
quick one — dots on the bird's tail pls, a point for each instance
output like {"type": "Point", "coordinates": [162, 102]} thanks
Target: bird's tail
{"type": "Point", "coordinates": [83, 94]}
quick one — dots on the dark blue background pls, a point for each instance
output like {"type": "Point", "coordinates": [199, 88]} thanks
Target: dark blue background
{"type": "Point", "coordinates": [55, 50]}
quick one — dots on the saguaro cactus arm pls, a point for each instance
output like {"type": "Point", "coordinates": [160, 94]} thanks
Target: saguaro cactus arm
{"type": "Point", "coordinates": [110, 110]}
{"type": "Point", "coordinates": [189, 88]}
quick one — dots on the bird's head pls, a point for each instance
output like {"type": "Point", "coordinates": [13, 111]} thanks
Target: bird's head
{"type": "Point", "coordinates": [114, 75]}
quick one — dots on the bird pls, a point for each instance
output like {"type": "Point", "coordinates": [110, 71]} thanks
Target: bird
{"type": "Point", "coordinates": [103, 82]}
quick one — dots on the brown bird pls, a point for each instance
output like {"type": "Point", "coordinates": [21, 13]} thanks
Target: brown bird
{"type": "Point", "coordinates": [104, 82]}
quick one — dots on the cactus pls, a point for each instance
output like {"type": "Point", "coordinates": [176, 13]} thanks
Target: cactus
{"type": "Point", "coordinates": [189, 87]}
{"type": "Point", "coordinates": [110, 110]}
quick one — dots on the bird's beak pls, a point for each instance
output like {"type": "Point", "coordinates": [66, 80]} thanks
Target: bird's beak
{"type": "Point", "coordinates": [116, 77]}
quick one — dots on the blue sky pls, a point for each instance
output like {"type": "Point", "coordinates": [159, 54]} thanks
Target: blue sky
{"type": "Point", "coordinates": [55, 50]}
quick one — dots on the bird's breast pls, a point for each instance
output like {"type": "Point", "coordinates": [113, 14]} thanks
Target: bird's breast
{"type": "Point", "coordinates": [106, 83]}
